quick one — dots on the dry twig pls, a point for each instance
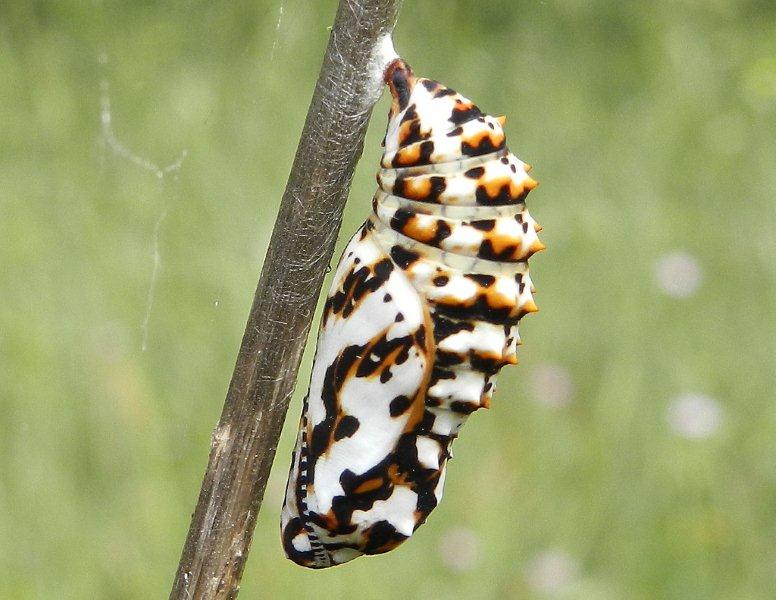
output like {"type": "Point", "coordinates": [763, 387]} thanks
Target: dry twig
{"type": "Point", "coordinates": [244, 443]}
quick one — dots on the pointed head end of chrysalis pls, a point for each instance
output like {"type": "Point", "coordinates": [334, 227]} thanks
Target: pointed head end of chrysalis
{"type": "Point", "coordinates": [401, 80]}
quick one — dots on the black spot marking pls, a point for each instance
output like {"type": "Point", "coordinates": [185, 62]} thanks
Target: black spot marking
{"type": "Point", "coordinates": [487, 252]}
{"type": "Point", "coordinates": [383, 269]}
{"type": "Point", "coordinates": [485, 146]}
{"type": "Point", "coordinates": [431, 401]}
{"type": "Point", "coordinates": [438, 374]}
{"type": "Point", "coordinates": [459, 117]}
{"type": "Point", "coordinates": [403, 258]}
{"type": "Point", "coordinates": [409, 114]}
{"type": "Point", "coordinates": [426, 424]}
{"type": "Point", "coordinates": [399, 405]}
{"type": "Point", "coordinates": [420, 336]}
{"type": "Point", "coordinates": [475, 173]}
{"type": "Point", "coordinates": [442, 231]}
{"type": "Point", "coordinates": [464, 408]}
{"type": "Point", "coordinates": [445, 92]}
{"type": "Point", "coordinates": [441, 280]}
{"type": "Point", "coordinates": [357, 284]}
{"type": "Point", "coordinates": [480, 310]}
{"type": "Point", "coordinates": [446, 327]}
{"type": "Point", "coordinates": [448, 359]}
{"type": "Point", "coordinates": [503, 196]}
{"type": "Point", "coordinates": [293, 528]}
{"type": "Point", "coordinates": [482, 279]}
{"type": "Point", "coordinates": [426, 150]}
{"type": "Point", "coordinates": [381, 352]}
{"type": "Point", "coordinates": [399, 318]}
{"type": "Point", "coordinates": [426, 503]}
{"type": "Point", "coordinates": [484, 364]}
{"type": "Point", "coordinates": [414, 135]}
{"type": "Point", "coordinates": [398, 186]}
{"type": "Point", "coordinates": [400, 219]}
{"type": "Point", "coordinates": [484, 225]}
{"type": "Point", "coordinates": [424, 156]}
{"type": "Point", "coordinates": [347, 426]}
{"type": "Point", "coordinates": [438, 185]}
{"type": "Point", "coordinates": [401, 87]}
{"type": "Point", "coordinates": [319, 440]}
{"type": "Point", "coordinates": [382, 537]}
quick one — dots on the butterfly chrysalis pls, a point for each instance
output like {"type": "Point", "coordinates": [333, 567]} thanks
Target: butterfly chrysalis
{"type": "Point", "coordinates": [421, 315]}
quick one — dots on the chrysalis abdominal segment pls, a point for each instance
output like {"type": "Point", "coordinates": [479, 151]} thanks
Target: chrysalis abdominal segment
{"type": "Point", "coordinates": [421, 315]}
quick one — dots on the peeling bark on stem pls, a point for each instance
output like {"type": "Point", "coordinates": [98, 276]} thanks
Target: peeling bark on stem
{"type": "Point", "coordinates": [244, 442]}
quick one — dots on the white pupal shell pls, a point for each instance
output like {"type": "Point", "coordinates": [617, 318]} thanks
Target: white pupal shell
{"type": "Point", "coordinates": [421, 315]}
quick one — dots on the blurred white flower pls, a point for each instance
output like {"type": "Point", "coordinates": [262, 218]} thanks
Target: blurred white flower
{"type": "Point", "coordinates": [678, 274]}
{"type": "Point", "coordinates": [459, 549]}
{"type": "Point", "coordinates": [694, 416]}
{"type": "Point", "coordinates": [551, 571]}
{"type": "Point", "coordinates": [551, 385]}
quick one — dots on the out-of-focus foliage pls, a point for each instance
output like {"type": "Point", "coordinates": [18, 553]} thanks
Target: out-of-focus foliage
{"type": "Point", "coordinates": [630, 455]}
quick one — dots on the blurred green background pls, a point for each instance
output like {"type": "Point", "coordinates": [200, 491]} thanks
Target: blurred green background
{"type": "Point", "coordinates": [144, 147]}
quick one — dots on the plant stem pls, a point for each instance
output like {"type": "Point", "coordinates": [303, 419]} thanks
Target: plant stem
{"type": "Point", "coordinates": [244, 442]}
